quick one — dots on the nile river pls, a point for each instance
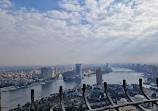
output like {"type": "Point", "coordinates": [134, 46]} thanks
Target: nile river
{"type": "Point", "coordinates": [10, 99]}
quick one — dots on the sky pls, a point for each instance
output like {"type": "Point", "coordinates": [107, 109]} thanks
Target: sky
{"type": "Point", "coordinates": [42, 32]}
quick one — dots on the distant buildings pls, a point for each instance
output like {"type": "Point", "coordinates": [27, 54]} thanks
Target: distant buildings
{"type": "Point", "coordinates": [99, 76]}
{"type": "Point", "coordinates": [70, 74]}
{"type": "Point", "coordinates": [46, 73]}
{"type": "Point", "coordinates": [79, 70]}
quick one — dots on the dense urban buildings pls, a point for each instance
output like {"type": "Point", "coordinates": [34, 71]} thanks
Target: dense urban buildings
{"type": "Point", "coordinates": [73, 99]}
{"type": "Point", "coordinates": [79, 70]}
{"type": "Point", "coordinates": [46, 73]}
{"type": "Point", "coordinates": [99, 76]}
{"type": "Point", "coordinates": [96, 95]}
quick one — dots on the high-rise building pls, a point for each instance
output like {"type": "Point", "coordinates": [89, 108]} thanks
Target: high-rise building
{"type": "Point", "coordinates": [99, 76]}
{"type": "Point", "coordinates": [107, 65]}
{"type": "Point", "coordinates": [79, 70]}
{"type": "Point", "coordinates": [54, 72]}
{"type": "Point", "coordinates": [46, 73]}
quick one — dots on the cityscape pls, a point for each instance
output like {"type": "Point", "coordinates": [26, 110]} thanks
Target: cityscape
{"type": "Point", "coordinates": [14, 80]}
{"type": "Point", "coordinates": [78, 55]}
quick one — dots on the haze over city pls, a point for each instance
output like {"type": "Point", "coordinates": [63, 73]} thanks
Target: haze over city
{"type": "Point", "coordinates": [84, 31]}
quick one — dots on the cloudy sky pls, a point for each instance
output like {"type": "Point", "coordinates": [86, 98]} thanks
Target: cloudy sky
{"type": "Point", "coordinates": [78, 31]}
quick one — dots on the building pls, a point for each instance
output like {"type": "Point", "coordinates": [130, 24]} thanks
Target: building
{"type": "Point", "coordinates": [99, 76]}
{"type": "Point", "coordinates": [139, 97]}
{"type": "Point", "coordinates": [79, 70]}
{"type": "Point", "coordinates": [53, 73]}
{"type": "Point", "coordinates": [126, 108]}
{"type": "Point", "coordinates": [46, 73]}
{"type": "Point", "coordinates": [107, 65]}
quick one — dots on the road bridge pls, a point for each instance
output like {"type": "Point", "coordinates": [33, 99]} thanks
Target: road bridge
{"type": "Point", "coordinates": [124, 71]}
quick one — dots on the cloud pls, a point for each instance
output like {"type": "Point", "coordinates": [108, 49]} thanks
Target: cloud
{"type": "Point", "coordinates": [5, 4]}
{"type": "Point", "coordinates": [80, 29]}
{"type": "Point", "coordinates": [58, 15]}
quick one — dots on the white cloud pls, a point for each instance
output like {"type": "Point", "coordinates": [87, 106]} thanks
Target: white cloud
{"type": "Point", "coordinates": [103, 4]}
{"type": "Point", "coordinates": [126, 25]}
{"type": "Point", "coordinates": [71, 5]}
{"type": "Point", "coordinates": [5, 4]}
{"type": "Point", "coordinates": [58, 15]}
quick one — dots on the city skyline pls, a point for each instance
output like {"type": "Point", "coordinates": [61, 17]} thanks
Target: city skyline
{"type": "Point", "coordinates": [82, 31]}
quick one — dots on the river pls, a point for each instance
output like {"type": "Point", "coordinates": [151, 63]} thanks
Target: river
{"type": "Point", "coordinates": [11, 99]}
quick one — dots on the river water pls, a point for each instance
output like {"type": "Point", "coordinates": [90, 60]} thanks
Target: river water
{"type": "Point", "coordinates": [10, 99]}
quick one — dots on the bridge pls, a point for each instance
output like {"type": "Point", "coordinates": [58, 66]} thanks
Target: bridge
{"type": "Point", "coordinates": [124, 71]}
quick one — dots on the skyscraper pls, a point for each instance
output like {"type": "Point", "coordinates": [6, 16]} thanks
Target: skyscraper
{"type": "Point", "coordinates": [46, 73]}
{"type": "Point", "coordinates": [107, 65]}
{"type": "Point", "coordinates": [99, 76]}
{"type": "Point", "coordinates": [79, 70]}
{"type": "Point", "coordinates": [53, 73]}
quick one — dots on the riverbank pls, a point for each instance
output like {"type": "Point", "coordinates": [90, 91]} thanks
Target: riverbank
{"type": "Point", "coordinates": [22, 96]}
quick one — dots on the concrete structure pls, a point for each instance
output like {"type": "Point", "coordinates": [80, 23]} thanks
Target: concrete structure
{"type": "Point", "coordinates": [46, 73]}
{"type": "Point", "coordinates": [79, 70]}
{"type": "Point", "coordinates": [126, 108]}
{"type": "Point", "coordinates": [155, 108]}
{"type": "Point", "coordinates": [139, 97]}
{"type": "Point", "coordinates": [99, 76]}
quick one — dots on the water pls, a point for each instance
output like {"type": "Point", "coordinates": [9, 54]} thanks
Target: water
{"type": "Point", "coordinates": [11, 99]}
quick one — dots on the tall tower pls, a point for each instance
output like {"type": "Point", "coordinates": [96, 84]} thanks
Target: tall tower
{"type": "Point", "coordinates": [46, 73]}
{"type": "Point", "coordinates": [79, 70]}
{"type": "Point", "coordinates": [107, 65]}
{"type": "Point", "coordinates": [99, 76]}
{"type": "Point", "coordinates": [55, 71]}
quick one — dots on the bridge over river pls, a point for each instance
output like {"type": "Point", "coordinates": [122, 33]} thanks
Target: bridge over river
{"type": "Point", "coordinates": [124, 71]}
{"type": "Point", "coordinates": [10, 99]}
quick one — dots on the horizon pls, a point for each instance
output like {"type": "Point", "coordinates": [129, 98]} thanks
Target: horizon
{"type": "Point", "coordinates": [82, 31]}
{"type": "Point", "coordinates": [73, 64]}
